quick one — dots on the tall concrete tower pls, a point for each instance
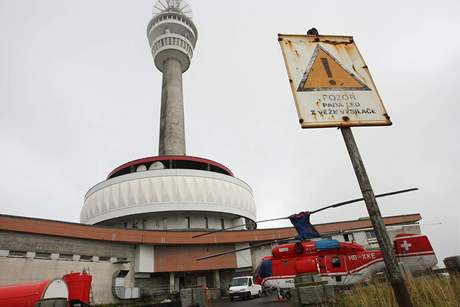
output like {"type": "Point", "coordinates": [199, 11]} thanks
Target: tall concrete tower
{"type": "Point", "coordinates": [172, 38]}
{"type": "Point", "coordinates": [171, 191]}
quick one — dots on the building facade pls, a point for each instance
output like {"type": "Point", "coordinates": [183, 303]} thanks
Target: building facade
{"type": "Point", "coordinates": [151, 262]}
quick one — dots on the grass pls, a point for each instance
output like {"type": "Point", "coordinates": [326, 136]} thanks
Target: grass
{"type": "Point", "coordinates": [426, 291]}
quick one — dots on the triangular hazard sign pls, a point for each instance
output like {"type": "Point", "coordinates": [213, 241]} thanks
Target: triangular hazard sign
{"type": "Point", "coordinates": [325, 73]}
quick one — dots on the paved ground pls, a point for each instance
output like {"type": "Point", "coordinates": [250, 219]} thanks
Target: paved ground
{"type": "Point", "coordinates": [263, 301]}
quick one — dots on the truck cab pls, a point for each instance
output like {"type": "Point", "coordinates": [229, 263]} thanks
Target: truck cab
{"type": "Point", "coordinates": [244, 287]}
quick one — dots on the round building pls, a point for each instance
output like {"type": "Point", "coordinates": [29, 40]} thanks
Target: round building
{"type": "Point", "coordinates": [170, 193]}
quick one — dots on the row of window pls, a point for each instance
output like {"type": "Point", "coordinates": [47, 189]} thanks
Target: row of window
{"type": "Point", "coordinates": [174, 17]}
{"type": "Point", "coordinates": [175, 41]}
{"type": "Point", "coordinates": [187, 223]}
{"type": "Point", "coordinates": [349, 237]}
{"type": "Point", "coordinates": [65, 257]}
{"type": "Point", "coordinates": [206, 223]}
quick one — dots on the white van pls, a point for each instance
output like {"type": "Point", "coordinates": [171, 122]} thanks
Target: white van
{"type": "Point", "coordinates": [244, 287]}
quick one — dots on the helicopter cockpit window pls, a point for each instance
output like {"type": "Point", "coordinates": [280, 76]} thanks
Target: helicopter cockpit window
{"type": "Point", "coordinates": [335, 261]}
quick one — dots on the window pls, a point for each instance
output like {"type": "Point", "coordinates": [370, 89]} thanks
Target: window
{"type": "Point", "coordinates": [239, 281]}
{"type": "Point", "coordinates": [222, 224]}
{"type": "Point", "coordinates": [370, 234]}
{"type": "Point", "coordinates": [348, 237]}
{"type": "Point", "coordinates": [41, 255]}
{"type": "Point", "coordinates": [17, 254]}
{"type": "Point", "coordinates": [86, 258]}
{"type": "Point", "coordinates": [65, 256]}
{"type": "Point", "coordinates": [187, 222]}
{"type": "Point", "coordinates": [206, 222]}
{"type": "Point", "coordinates": [335, 261]}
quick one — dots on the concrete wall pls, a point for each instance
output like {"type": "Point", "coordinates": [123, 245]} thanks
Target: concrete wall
{"type": "Point", "coordinates": [42, 243]}
{"type": "Point", "coordinates": [62, 256]}
{"type": "Point", "coordinates": [243, 258]}
{"type": "Point", "coordinates": [145, 258]}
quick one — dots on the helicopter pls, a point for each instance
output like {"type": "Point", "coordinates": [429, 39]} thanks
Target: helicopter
{"type": "Point", "coordinates": [338, 263]}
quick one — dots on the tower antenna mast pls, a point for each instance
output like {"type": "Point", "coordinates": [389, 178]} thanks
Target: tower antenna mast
{"type": "Point", "coordinates": [172, 37]}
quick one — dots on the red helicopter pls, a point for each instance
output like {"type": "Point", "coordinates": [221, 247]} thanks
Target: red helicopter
{"type": "Point", "coordinates": [338, 263]}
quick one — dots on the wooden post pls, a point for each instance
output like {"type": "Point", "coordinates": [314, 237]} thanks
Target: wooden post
{"type": "Point", "coordinates": [394, 272]}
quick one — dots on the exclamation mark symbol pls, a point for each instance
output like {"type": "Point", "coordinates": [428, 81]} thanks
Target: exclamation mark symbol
{"type": "Point", "coordinates": [328, 71]}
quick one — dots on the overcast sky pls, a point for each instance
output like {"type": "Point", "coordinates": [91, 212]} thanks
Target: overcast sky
{"type": "Point", "coordinates": [79, 95]}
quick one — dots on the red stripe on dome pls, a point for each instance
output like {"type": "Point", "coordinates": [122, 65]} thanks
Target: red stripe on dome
{"type": "Point", "coordinates": [167, 158]}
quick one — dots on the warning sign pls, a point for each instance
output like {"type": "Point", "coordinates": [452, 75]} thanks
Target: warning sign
{"type": "Point", "coordinates": [331, 84]}
{"type": "Point", "coordinates": [324, 72]}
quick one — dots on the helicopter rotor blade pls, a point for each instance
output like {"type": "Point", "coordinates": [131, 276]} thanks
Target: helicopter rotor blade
{"type": "Point", "coordinates": [343, 203]}
{"type": "Point", "coordinates": [244, 248]}
{"type": "Point", "coordinates": [237, 226]}
{"type": "Point", "coordinates": [360, 199]}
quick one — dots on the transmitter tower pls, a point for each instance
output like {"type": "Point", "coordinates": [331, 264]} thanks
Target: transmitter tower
{"type": "Point", "coordinates": [172, 37]}
{"type": "Point", "coordinates": [171, 191]}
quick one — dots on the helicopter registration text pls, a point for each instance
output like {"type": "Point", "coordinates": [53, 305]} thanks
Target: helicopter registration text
{"type": "Point", "coordinates": [359, 257]}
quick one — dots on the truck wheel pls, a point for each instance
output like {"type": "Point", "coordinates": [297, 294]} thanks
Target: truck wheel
{"type": "Point", "coordinates": [231, 298]}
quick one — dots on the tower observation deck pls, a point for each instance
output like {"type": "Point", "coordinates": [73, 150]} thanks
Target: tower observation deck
{"type": "Point", "coordinates": [172, 191]}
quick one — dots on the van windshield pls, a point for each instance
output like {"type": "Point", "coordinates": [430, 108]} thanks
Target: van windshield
{"type": "Point", "coordinates": [239, 282]}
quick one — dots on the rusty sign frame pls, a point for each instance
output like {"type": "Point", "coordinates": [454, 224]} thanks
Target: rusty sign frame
{"type": "Point", "coordinates": [300, 52]}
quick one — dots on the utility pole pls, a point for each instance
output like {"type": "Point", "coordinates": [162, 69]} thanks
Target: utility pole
{"type": "Point", "coordinates": [394, 272]}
